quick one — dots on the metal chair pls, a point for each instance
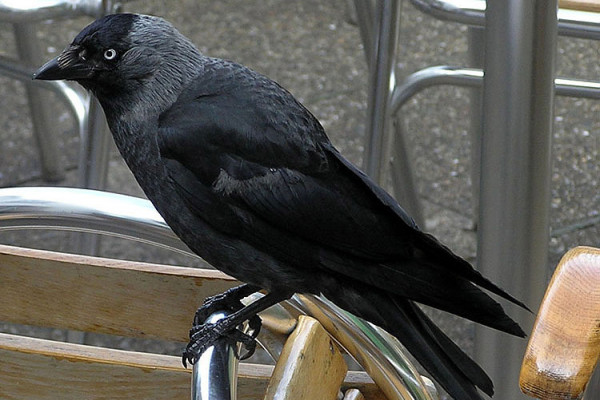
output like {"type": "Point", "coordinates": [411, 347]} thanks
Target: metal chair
{"type": "Point", "coordinates": [378, 24]}
{"type": "Point", "coordinates": [512, 163]}
{"type": "Point", "coordinates": [39, 286]}
{"type": "Point", "coordinates": [144, 300]}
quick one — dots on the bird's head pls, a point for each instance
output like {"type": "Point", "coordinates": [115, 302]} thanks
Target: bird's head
{"type": "Point", "coordinates": [120, 53]}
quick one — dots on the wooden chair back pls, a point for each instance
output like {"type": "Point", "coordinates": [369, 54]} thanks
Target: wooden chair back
{"type": "Point", "coordinates": [136, 300]}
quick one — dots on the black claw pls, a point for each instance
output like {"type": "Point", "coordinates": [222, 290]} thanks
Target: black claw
{"type": "Point", "coordinates": [255, 323]}
{"type": "Point", "coordinates": [248, 341]}
{"type": "Point", "coordinates": [230, 300]}
{"type": "Point", "coordinates": [204, 335]}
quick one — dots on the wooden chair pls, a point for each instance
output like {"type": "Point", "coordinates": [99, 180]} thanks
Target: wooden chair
{"type": "Point", "coordinates": [142, 300]}
{"type": "Point", "coordinates": [565, 342]}
{"type": "Point", "coordinates": [137, 300]}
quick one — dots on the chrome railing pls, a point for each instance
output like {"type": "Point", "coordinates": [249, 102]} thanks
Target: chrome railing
{"type": "Point", "coordinates": [15, 11]}
{"type": "Point", "coordinates": [574, 23]}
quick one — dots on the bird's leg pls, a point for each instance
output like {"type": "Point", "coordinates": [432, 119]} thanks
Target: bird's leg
{"type": "Point", "coordinates": [230, 300]}
{"type": "Point", "coordinates": [204, 335]}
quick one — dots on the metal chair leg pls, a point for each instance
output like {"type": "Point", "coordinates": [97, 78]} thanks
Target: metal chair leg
{"type": "Point", "coordinates": [95, 147]}
{"type": "Point", "coordinates": [39, 101]}
{"type": "Point", "coordinates": [381, 79]}
{"type": "Point", "coordinates": [403, 180]}
{"type": "Point", "coordinates": [476, 51]}
{"type": "Point", "coordinates": [515, 168]}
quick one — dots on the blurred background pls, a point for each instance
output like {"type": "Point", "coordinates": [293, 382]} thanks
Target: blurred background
{"type": "Point", "coordinates": [314, 49]}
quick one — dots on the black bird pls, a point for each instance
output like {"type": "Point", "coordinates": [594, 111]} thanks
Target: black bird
{"type": "Point", "coordinates": [245, 175]}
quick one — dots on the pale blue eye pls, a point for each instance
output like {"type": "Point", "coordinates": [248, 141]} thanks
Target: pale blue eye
{"type": "Point", "coordinates": [110, 54]}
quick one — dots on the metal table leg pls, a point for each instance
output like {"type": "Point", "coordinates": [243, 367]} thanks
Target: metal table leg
{"type": "Point", "coordinates": [515, 176]}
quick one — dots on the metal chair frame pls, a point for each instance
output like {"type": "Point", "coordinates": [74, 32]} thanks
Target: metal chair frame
{"type": "Point", "coordinates": [512, 234]}
{"type": "Point", "coordinates": [571, 23]}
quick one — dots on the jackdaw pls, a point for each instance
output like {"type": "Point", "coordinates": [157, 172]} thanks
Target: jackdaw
{"type": "Point", "coordinates": [245, 175]}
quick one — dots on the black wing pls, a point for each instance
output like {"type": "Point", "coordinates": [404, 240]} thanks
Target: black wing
{"type": "Point", "coordinates": [254, 162]}
{"type": "Point", "coordinates": [260, 152]}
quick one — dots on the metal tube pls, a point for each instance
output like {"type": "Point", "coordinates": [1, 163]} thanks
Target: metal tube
{"type": "Point", "coordinates": [39, 102]}
{"type": "Point", "coordinates": [381, 81]}
{"type": "Point", "coordinates": [469, 12]}
{"type": "Point", "coordinates": [473, 77]}
{"type": "Point", "coordinates": [76, 100]}
{"type": "Point", "coordinates": [401, 167]}
{"type": "Point", "coordinates": [93, 164]}
{"type": "Point", "coordinates": [515, 169]}
{"type": "Point", "coordinates": [365, 20]}
{"type": "Point", "coordinates": [432, 76]}
{"type": "Point", "coordinates": [573, 23]}
{"type": "Point", "coordinates": [31, 11]}
{"type": "Point", "coordinates": [468, 77]}
{"type": "Point", "coordinates": [378, 352]}
{"type": "Point", "coordinates": [380, 38]}
{"type": "Point", "coordinates": [86, 211]}
{"type": "Point", "coordinates": [94, 151]}
{"type": "Point", "coordinates": [214, 375]}
{"type": "Point", "coordinates": [579, 24]}
{"type": "Point", "coordinates": [476, 51]}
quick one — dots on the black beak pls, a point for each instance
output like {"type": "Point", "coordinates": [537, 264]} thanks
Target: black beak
{"type": "Point", "coordinates": [67, 66]}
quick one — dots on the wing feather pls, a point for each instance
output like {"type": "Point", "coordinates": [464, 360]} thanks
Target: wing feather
{"type": "Point", "coordinates": [281, 181]}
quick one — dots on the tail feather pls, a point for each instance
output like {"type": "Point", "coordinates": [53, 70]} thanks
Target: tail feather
{"type": "Point", "coordinates": [451, 262]}
{"type": "Point", "coordinates": [437, 287]}
{"type": "Point", "coordinates": [426, 282]}
{"type": "Point", "coordinates": [442, 359]}
{"type": "Point", "coordinates": [469, 367]}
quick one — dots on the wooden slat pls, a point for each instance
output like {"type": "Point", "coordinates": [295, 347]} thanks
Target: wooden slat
{"type": "Point", "coordinates": [102, 295]}
{"type": "Point", "coordinates": [564, 346]}
{"type": "Point", "coordinates": [116, 297]}
{"type": "Point", "coordinates": [44, 369]}
{"type": "Point", "coordinates": [580, 5]}
{"type": "Point", "coordinates": [310, 366]}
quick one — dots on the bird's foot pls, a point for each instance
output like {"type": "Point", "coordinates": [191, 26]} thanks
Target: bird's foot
{"type": "Point", "coordinates": [229, 301]}
{"type": "Point", "coordinates": [202, 336]}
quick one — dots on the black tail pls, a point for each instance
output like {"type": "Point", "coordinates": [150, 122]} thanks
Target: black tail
{"type": "Point", "coordinates": [436, 286]}
{"type": "Point", "coordinates": [438, 254]}
{"type": "Point", "coordinates": [458, 374]}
